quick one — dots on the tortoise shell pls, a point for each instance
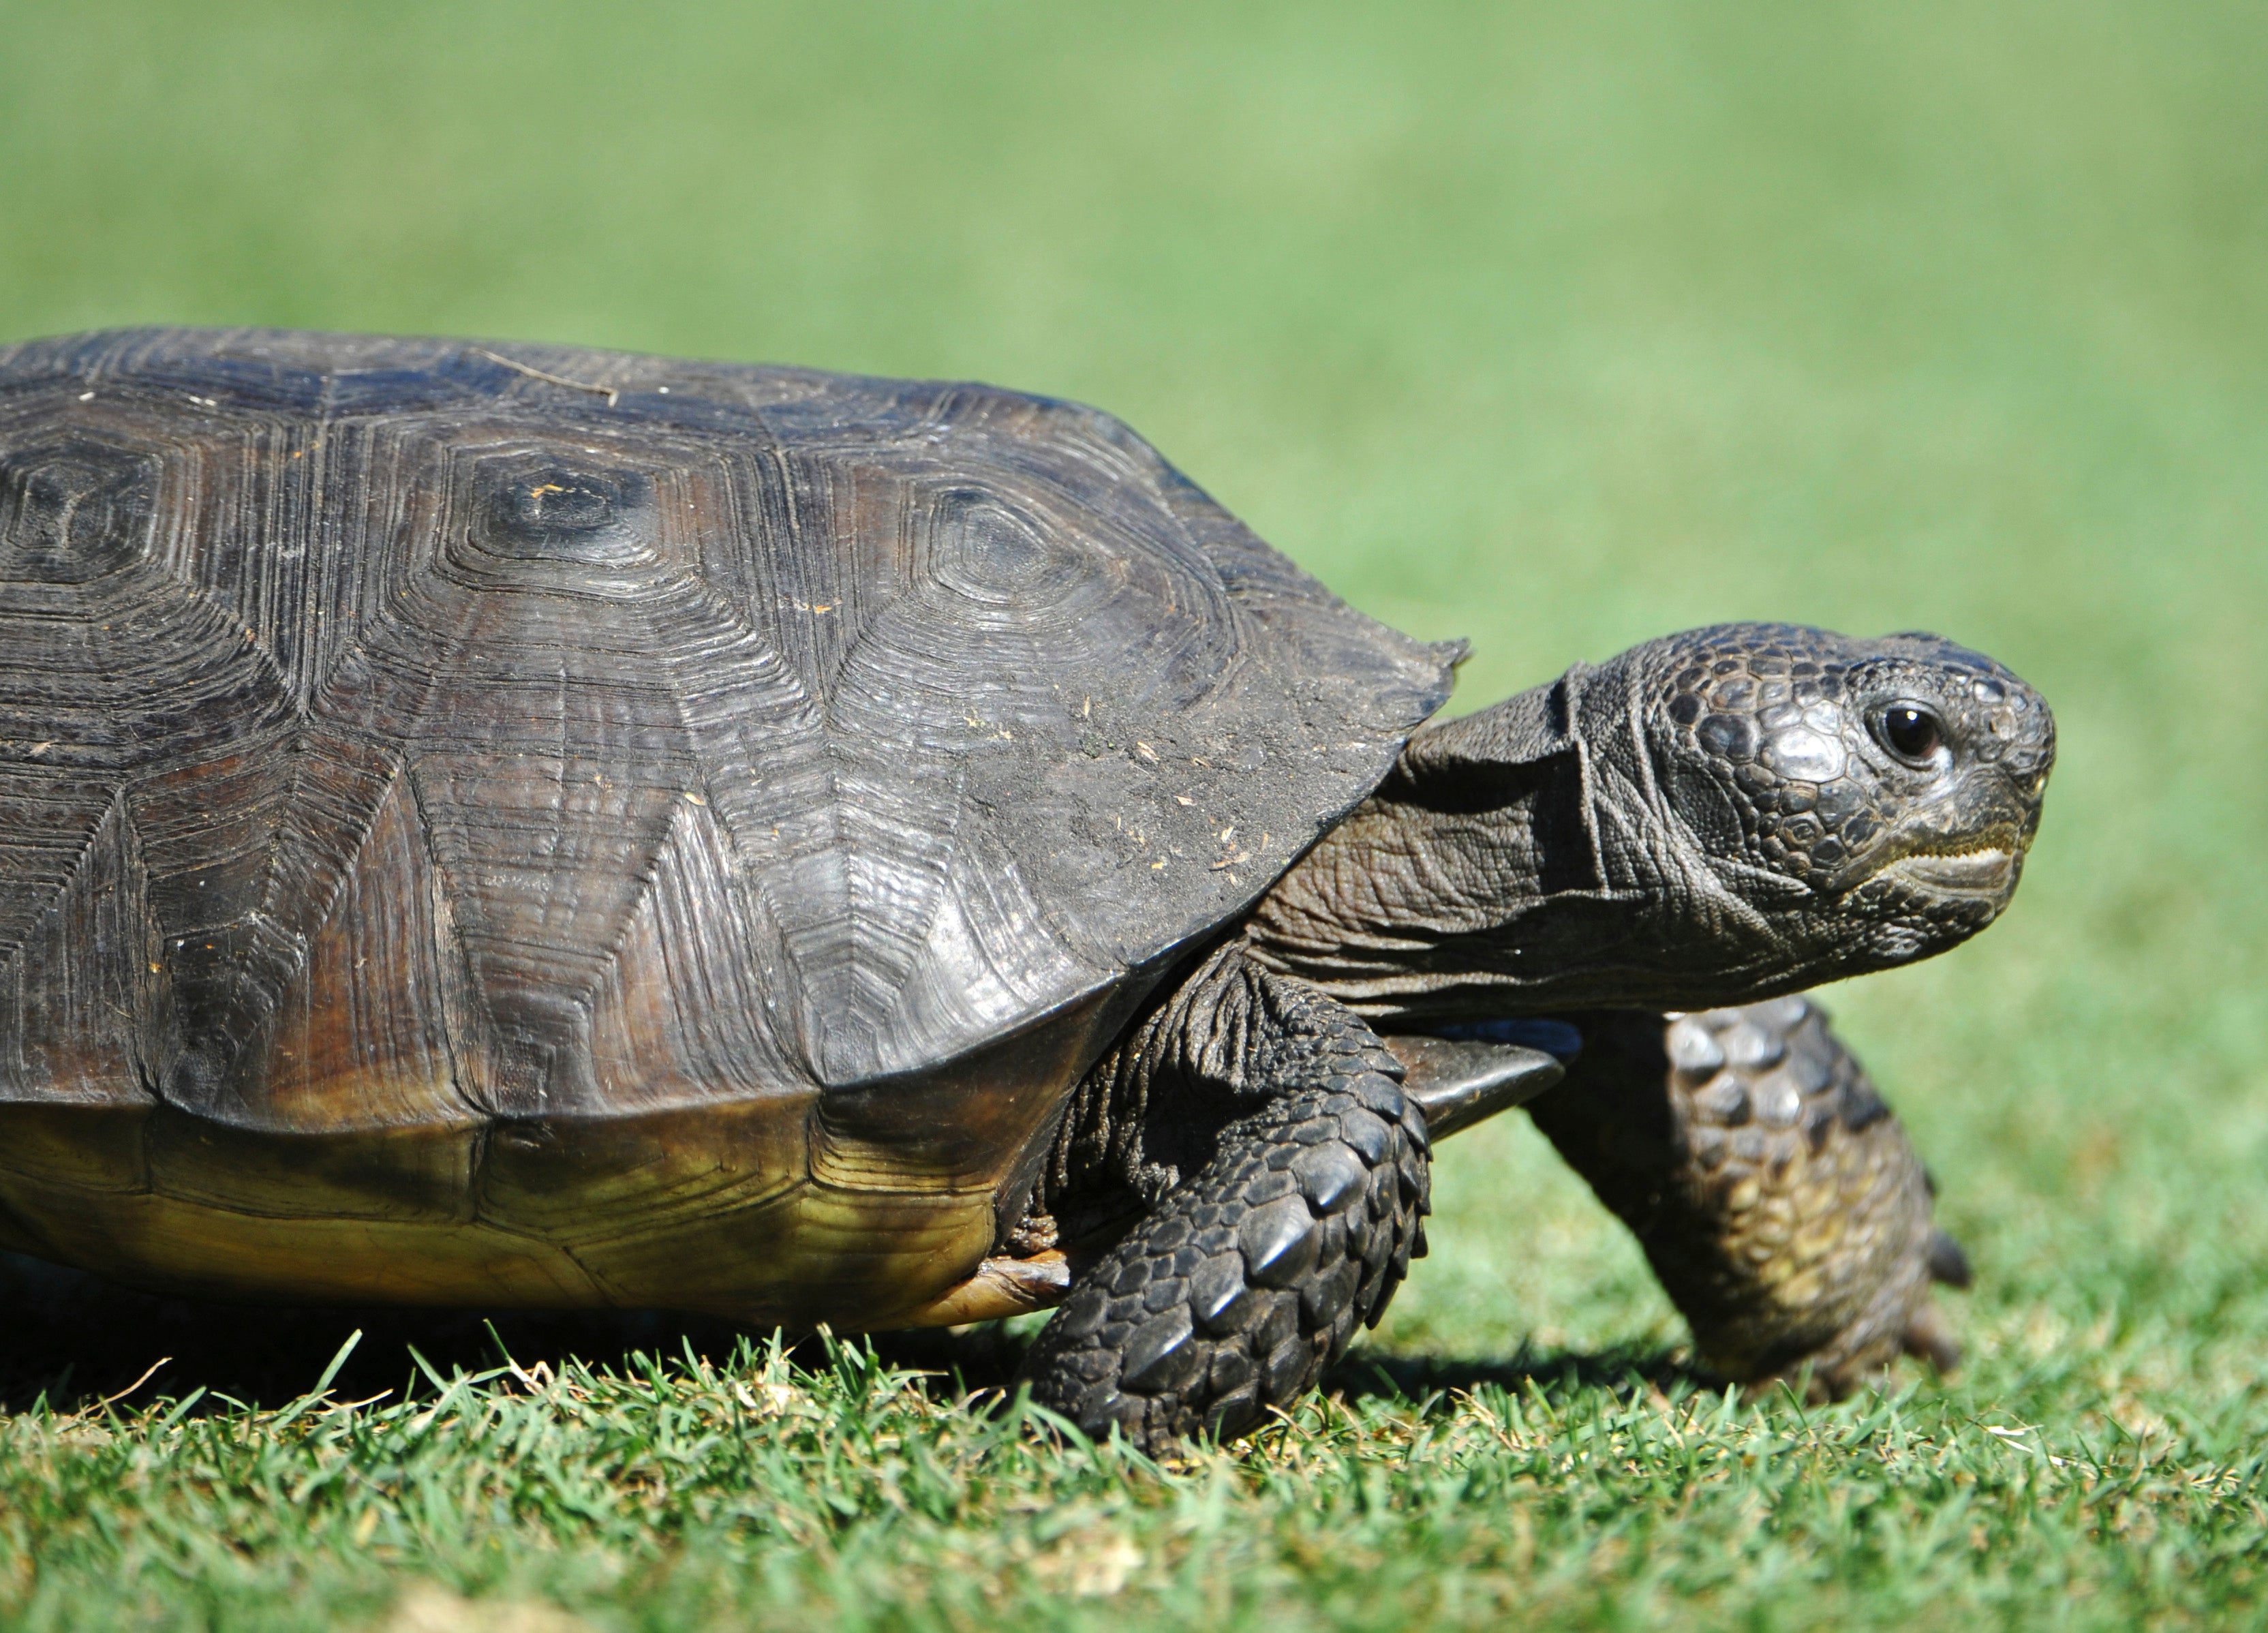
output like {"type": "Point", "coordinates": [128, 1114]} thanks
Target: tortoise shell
{"type": "Point", "coordinates": [516, 825]}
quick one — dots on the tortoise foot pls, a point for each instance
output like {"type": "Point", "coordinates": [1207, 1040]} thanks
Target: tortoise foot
{"type": "Point", "coordinates": [1774, 1194]}
{"type": "Point", "coordinates": [1250, 1277]}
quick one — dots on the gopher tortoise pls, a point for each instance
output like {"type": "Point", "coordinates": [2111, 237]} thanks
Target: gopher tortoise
{"type": "Point", "coordinates": [512, 825]}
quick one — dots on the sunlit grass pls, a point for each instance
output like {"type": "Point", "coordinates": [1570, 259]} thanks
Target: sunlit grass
{"type": "Point", "coordinates": [680, 1490]}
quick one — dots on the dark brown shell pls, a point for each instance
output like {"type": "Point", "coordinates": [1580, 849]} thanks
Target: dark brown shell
{"type": "Point", "coordinates": [560, 801]}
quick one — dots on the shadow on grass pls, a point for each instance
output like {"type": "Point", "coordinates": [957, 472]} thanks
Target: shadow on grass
{"type": "Point", "coordinates": [1623, 1370]}
{"type": "Point", "coordinates": [75, 1339]}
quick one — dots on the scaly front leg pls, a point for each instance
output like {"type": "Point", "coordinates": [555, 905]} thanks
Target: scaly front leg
{"type": "Point", "coordinates": [1774, 1194]}
{"type": "Point", "coordinates": [1306, 1176]}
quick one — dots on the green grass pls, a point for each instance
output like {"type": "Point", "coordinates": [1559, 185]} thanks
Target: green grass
{"type": "Point", "coordinates": [1553, 326]}
{"type": "Point", "coordinates": [679, 1490]}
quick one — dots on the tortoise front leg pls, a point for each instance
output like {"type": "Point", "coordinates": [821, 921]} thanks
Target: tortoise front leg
{"type": "Point", "coordinates": [1776, 1197]}
{"type": "Point", "coordinates": [1244, 1280]}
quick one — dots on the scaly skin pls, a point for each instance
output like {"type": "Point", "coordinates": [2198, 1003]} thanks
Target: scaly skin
{"type": "Point", "coordinates": [1245, 1279]}
{"type": "Point", "coordinates": [1774, 1194]}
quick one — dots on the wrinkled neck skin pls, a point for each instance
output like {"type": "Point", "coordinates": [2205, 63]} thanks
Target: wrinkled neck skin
{"type": "Point", "coordinates": [1520, 861]}
{"type": "Point", "coordinates": [1577, 847]}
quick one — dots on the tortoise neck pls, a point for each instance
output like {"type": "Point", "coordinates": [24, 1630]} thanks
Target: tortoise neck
{"type": "Point", "coordinates": [1481, 823]}
{"type": "Point", "coordinates": [1517, 861]}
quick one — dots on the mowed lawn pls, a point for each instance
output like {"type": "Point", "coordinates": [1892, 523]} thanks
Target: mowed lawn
{"type": "Point", "coordinates": [1556, 327]}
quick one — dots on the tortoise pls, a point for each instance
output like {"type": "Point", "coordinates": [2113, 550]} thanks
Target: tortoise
{"type": "Point", "coordinates": [512, 825]}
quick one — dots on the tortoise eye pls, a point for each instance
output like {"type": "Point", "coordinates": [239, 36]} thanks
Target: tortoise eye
{"type": "Point", "coordinates": [1910, 733]}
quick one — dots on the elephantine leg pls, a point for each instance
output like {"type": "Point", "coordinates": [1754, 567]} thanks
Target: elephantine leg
{"type": "Point", "coordinates": [1774, 1194]}
{"type": "Point", "coordinates": [1240, 1283]}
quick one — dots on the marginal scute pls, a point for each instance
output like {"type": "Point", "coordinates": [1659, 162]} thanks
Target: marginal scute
{"type": "Point", "coordinates": [360, 1039]}
{"type": "Point", "coordinates": [77, 950]}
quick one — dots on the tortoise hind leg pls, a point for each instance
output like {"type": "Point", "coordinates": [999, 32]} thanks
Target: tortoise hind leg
{"type": "Point", "coordinates": [1776, 1197]}
{"type": "Point", "coordinates": [1243, 1282]}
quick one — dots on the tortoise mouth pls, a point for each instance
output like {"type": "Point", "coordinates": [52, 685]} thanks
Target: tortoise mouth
{"type": "Point", "coordinates": [1987, 870]}
{"type": "Point", "coordinates": [1981, 863]}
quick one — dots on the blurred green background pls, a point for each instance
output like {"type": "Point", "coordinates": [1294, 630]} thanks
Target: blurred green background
{"type": "Point", "coordinates": [1558, 327]}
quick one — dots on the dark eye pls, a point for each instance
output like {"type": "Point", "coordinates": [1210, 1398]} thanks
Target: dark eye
{"type": "Point", "coordinates": [1911, 733]}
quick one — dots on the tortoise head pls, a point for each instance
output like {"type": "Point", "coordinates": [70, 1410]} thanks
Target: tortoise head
{"type": "Point", "coordinates": [1875, 799]}
{"type": "Point", "coordinates": [1709, 819]}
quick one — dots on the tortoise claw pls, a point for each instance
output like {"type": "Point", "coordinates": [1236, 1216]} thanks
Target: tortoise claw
{"type": "Point", "coordinates": [1948, 1266]}
{"type": "Point", "coordinates": [1929, 1336]}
